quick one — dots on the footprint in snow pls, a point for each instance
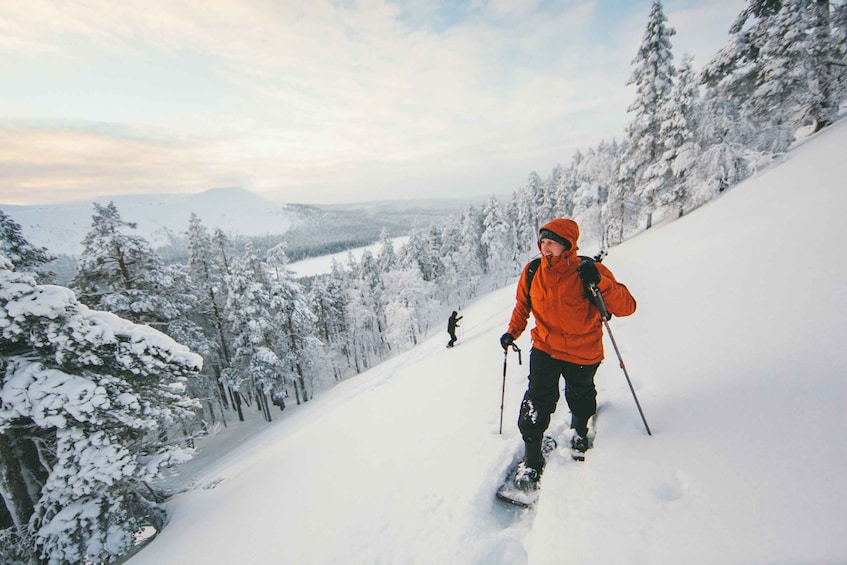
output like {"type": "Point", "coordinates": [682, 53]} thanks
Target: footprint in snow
{"type": "Point", "coordinates": [672, 488]}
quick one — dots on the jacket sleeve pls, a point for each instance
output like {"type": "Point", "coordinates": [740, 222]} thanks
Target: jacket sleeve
{"type": "Point", "coordinates": [520, 314]}
{"type": "Point", "coordinates": [617, 297]}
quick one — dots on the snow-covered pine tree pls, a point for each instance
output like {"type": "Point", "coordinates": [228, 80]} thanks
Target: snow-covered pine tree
{"type": "Point", "coordinates": [643, 170]}
{"type": "Point", "coordinates": [120, 273]}
{"type": "Point", "coordinates": [26, 257]}
{"type": "Point", "coordinates": [372, 292]}
{"type": "Point", "coordinates": [783, 75]}
{"type": "Point", "coordinates": [499, 243]}
{"type": "Point", "coordinates": [778, 68]}
{"type": "Point", "coordinates": [838, 32]}
{"type": "Point", "coordinates": [547, 208]}
{"type": "Point", "coordinates": [295, 341]}
{"type": "Point", "coordinates": [408, 306]}
{"type": "Point", "coordinates": [563, 190]}
{"type": "Point", "coordinates": [451, 288]}
{"type": "Point", "coordinates": [207, 282]}
{"type": "Point", "coordinates": [620, 212]}
{"type": "Point", "coordinates": [84, 396]}
{"type": "Point", "coordinates": [734, 69]}
{"type": "Point", "coordinates": [362, 323]}
{"type": "Point", "coordinates": [461, 258]}
{"type": "Point", "coordinates": [727, 137]}
{"type": "Point", "coordinates": [682, 148]}
{"type": "Point", "coordinates": [328, 301]}
{"type": "Point", "coordinates": [598, 172]}
{"type": "Point", "coordinates": [470, 245]}
{"type": "Point", "coordinates": [422, 250]}
{"type": "Point", "coordinates": [386, 259]}
{"type": "Point", "coordinates": [255, 370]}
{"type": "Point", "coordinates": [527, 223]}
{"type": "Point", "coordinates": [826, 64]}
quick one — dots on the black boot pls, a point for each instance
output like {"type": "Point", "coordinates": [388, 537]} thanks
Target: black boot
{"type": "Point", "coordinates": [532, 456]}
{"type": "Point", "coordinates": [579, 425]}
{"type": "Point", "coordinates": [529, 471]}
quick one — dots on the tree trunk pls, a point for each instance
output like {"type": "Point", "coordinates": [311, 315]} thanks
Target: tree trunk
{"type": "Point", "coordinates": [237, 402]}
{"type": "Point", "coordinates": [13, 488]}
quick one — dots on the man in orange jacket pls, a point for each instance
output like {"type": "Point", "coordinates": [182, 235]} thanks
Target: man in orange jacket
{"type": "Point", "coordinates": [567, 339]}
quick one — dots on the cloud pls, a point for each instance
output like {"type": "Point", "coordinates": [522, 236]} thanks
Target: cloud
{"type": "Point", "coordinates": [67, 163]}
{"type": "Point", "coordinates": [330, 96]}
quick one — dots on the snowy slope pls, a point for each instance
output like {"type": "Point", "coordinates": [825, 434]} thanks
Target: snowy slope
{"type": "Point", "coordinates": [736, 353]}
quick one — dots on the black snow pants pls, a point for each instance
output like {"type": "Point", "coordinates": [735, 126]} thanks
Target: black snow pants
{"type": "Point", "coordinates": [542, 395]}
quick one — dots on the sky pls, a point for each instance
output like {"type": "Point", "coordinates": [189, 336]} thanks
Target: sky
{"type": "Point", "coordinates": [736, 354]}
{"type": "Point", "coordinates": [317, 101]}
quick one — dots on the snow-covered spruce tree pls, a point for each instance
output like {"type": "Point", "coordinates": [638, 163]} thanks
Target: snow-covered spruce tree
{"type": "Point", "coordinates": [451, 287]}
{"type": "Point", "coordinates": [386, 258]}
{"type": "Point", "coordinates": [734, 70]}
{"type": "Point", "coordinates": [461, 259]}
{"type": "Point", "coordinates": [563, 191]}
{"type": "Point", "coordinates": [547, 208]}
{"type": "Point", "coordinates": [838, 32]}
{"type": "Point", "coordinates": [361, 319]}
{"type": "Point", "coordinates": [499, 243]}
{"type": "Point", "coordinates": [682, 147]}
{"type": "Point", "coordinates": [471, 243]}
{"type": "Point", "coordinates": [206, 273]}
{"type": "Point", "coordinates": [408, 306]}
{"type": "Point", "coordinates": [826, 64]}
{"type": "Point", "coordinates": [255, 370]}
{"type": "Point", "coordinates": [294, 341]}
{"type": "Point", "coordinates": [26, 257]}
{"type": "Point", "coordinates": [84, 395]}
{"type": "Point", "coordinates": [328, 301]}
{"type": "Point", "coordinates": [422, 250]}
{"type": "Point", "coordinates": [784, 77]}
{"type": "Point", "coordinates": [727, 139]}
{"type": "Point", "coordinates": [619, 216]}
{"type": "Point", "coordinates": [597, 173]}
{"type": "Point", "coordinates": [529, 200]}
{"type": "Point", "coordinates": [642, 169]}
{"type": "Point", "coordinates": [371, 291]}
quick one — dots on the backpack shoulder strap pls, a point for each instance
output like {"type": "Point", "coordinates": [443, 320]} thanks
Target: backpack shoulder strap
{"type": "Point", "coordinates": [530, 274]}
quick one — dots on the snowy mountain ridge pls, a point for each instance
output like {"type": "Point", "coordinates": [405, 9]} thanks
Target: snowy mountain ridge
{"type": "Point", "coordinates": [736, 353]}
{"type": "Point", "coordinates": [61, 227]}
{"type": "Point", "coordinates": [159, 217]}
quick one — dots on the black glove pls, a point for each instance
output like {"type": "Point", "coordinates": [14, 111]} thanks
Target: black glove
{"type": "Point", "coordinates": [506, 340]}
{"type": "Point", "coordinates": [588, 272]}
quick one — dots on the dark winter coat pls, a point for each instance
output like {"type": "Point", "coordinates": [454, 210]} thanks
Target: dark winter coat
{"type": "Point", "coordinates": [453, 323]}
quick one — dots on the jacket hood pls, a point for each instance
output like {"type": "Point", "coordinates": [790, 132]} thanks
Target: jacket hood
{"type": "Point", "coordinates": [565, 228]}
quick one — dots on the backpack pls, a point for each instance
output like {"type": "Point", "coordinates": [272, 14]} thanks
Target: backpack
{"type": "Point", "coordinates": [533, 266]}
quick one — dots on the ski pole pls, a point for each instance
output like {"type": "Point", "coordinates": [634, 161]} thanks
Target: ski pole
{"type": "Point", "coordinates": [604, 315]}
{"type": "Point", "coordinates": [503, 391]}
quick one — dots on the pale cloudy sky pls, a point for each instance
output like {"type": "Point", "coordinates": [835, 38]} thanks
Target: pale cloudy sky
{"type": "Point", "coordinates": [317, 101]}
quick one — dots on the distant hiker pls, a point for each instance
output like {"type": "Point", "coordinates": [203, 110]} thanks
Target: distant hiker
{"type": "Point", "coordinates": [567, 339]}
{"type": "Point", "coordinates": [452, 324]}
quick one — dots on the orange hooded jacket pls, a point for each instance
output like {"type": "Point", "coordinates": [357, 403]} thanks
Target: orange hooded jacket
{"type": "Point", "coordinates": [567, 324]}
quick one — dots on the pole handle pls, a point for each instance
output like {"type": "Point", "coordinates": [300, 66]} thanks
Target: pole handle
{"type": "Point", "coordinates": [598, 300]}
